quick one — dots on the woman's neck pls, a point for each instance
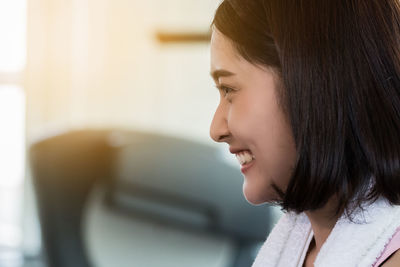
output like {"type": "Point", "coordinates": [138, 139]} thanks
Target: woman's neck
{"type": "Point", "coordinates": [322, 222]}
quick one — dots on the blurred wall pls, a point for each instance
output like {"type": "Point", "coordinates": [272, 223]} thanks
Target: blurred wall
{"type": "Point", "coordinates": [97, 63]}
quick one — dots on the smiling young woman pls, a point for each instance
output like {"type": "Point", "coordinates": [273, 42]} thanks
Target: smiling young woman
{"type": "Point", "coordinates": [310, 105]}
{"type": "Point", "coordinates": [250, 121]}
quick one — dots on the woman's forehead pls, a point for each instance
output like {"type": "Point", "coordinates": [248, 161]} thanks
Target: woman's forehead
{"type": "Point", "coordinates": [224, 56]}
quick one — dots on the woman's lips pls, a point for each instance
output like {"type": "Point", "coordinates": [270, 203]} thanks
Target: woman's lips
{"type": "Point", "coordinates": [245, 157]}
{"type": "Point", "coordinates": [247, 166]}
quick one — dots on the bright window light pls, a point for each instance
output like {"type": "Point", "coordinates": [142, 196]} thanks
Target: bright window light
{"type": "Point", "coordinates": [12, 35]}
{"type": "Point", "coordinates": [12, 165]}
{"type": "Point", "coordinates": [12, 145]}
{"type": "Point", "coordinates": [12, 129]}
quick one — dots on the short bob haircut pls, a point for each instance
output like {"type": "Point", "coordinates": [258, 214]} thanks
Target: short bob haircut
{"type": "Point", "coordinates": [339, 64]}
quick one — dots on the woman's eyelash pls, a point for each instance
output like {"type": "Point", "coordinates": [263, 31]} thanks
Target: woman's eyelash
{"type": "Point", "coordinates": [225, 89]}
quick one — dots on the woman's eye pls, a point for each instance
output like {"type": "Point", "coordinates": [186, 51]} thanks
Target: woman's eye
{"type": "Point", "coordinates": [225, 90]}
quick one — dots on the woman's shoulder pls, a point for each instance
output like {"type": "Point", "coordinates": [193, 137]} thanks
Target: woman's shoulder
{"type": "Point", "coordinates": [393, 260]}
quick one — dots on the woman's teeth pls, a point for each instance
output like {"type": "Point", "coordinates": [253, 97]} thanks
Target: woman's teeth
{"type": "Point", "coordinates": [244, 157]}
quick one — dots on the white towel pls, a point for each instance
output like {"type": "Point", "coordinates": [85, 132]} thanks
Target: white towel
{"type": "Point", "coordinates": [357, 243]}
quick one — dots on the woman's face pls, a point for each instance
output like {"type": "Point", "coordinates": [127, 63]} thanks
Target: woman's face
{"type": "Point", "coordinates": [249, 119]}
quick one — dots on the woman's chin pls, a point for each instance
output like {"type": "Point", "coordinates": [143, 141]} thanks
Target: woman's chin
{"type": "Point", "coordinates": [254, 196]}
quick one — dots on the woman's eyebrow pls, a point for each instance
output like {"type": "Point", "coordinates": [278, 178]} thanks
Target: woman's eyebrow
{"type": "Point", "coordinates": [221, 73]}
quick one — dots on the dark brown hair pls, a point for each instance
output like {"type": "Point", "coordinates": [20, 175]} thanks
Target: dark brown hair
{"type": "Point", "coordinates": [339, 64]}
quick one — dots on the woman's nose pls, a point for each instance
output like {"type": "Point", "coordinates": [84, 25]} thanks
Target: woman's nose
{"type": "Point", "coordinates": [219, 130]}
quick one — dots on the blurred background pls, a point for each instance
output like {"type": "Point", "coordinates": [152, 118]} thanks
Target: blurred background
{"type": "Point", "coordinates": [105, 156]}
